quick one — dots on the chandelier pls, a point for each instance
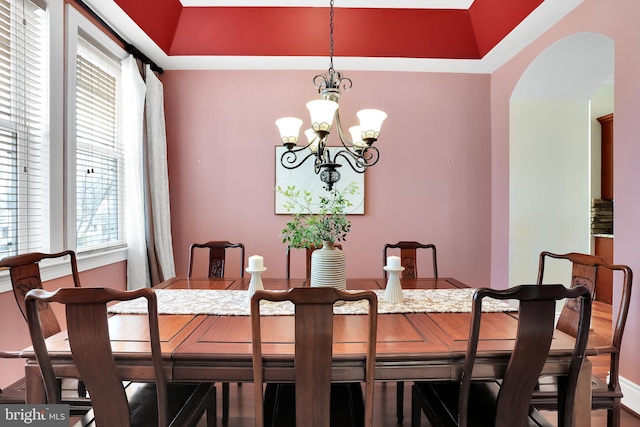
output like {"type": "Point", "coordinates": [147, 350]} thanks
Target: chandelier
{"type": "Point", "coordinates": [358, 152]}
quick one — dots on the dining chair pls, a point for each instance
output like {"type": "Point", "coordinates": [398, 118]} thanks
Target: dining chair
{"type": "Point", "coordinates": [217, 257]}
{"type": "Point", "coordinates": [24, 271]}
{"type": "Point", "coordinates": [506, 403]}
{"type": "Point", "coordinates": [408, 257]}
{"type": "Point", "coordinates": [408, 260]}
{"type": "Point", "coordinates": [584, 272]}
{"type": "Point", "coordinates": [308, 253]}
{"type": "Point", "coordinates": [313, 351]}
{"type": "Point", "coordinates": [159, 403]}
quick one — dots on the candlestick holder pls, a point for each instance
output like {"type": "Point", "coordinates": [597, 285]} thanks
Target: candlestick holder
{"type": "Point", "coordinates": [256, 281]}
{"type": "Point", "coordinates": [393, 291]}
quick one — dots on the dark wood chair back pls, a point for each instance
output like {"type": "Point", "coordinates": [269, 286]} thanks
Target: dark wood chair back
{"type": "Point", "coordinates": [308, 252]}
{"type": "Point", "coordinates": [88, 334]}
{"type": "Point", "coordinates": [216, 269]}
{"type": "Point", "coordinates": [408, 258]}
{"type": "Point", "coordinates": [585, 271]}
{"type": "Point", "coordinates": [313, 351]}
{"type": "Point", "coordinates": [536, 318]}
{"type": "Point", "coordinates": [24, 270]}
{"type": "Point", "coordinates": [217, 257]}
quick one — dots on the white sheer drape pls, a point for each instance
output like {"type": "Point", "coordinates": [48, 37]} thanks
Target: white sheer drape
{"type": "Point", "coordinates": [133, 125]}
{"type": "Point", "coordinates": [158, 175]}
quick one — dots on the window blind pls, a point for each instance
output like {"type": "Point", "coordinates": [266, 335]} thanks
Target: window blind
{"type": "Point", "coordinates": [99, 152]}
{"type": "Point", "coordinates": [23, 156]}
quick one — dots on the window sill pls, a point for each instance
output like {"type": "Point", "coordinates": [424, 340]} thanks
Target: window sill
{"type": "Point", "coordinates": [56, 269]}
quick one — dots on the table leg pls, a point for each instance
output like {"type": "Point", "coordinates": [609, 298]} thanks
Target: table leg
{"type": "Point", "coordinates": [35, 386]}
{"type": "Point", "coordinates": [582, 408]}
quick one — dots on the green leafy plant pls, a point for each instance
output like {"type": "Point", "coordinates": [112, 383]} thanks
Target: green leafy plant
{"type": "Point", "coordinates": [308, 229]}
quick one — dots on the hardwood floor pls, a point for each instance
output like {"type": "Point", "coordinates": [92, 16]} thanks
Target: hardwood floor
{"type": "Point", "coordinates": [242, 403]}
{"type": "Point", "coordinates": [241, 409]}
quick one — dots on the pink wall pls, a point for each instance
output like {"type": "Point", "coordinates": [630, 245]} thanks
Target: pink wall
{"type": "Point", "coordinates": [616, 19]}
{"type": "Point", "coordinates": [15, 334]}
{"type": "Point", "coordinates": [432, 183]}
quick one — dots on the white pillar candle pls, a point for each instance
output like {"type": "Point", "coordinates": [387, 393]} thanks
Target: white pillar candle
{"type": "Point", "coordinates": [393, 262]}
{"type": "Point", "coordinates": [256, 262]}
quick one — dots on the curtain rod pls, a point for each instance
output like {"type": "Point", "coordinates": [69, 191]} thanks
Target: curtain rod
{"type": "Point", "coordinates": [128, 46]}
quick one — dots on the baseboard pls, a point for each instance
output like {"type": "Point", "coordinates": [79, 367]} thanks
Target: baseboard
{"type": "Point", "coordinates": [631, 393]}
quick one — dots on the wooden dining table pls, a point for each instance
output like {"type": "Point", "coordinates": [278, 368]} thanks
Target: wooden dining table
{"type": "Point", "coordinates": [417, 346]}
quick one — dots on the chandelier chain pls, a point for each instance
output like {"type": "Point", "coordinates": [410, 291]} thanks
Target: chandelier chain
{"type": "Point", "coordinates": [331, 35]}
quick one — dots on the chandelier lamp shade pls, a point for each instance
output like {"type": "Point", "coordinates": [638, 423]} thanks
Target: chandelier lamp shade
{"type": "Point", "coordinates": [356, 149]}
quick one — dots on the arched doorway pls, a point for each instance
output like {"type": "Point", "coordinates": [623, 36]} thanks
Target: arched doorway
{"type": "Point", "coordinates": [551, 160]}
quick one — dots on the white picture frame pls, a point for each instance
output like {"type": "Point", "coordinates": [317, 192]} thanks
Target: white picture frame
{"type": "Point", "coordinates": [304, 178]}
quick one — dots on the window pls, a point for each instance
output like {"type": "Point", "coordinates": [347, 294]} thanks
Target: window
{"type": "Point", "coordinates": [94, 182]}
{"type": "Point", "coordinates": [99, 154]}
{"type": "Point", "coordinates": [43, 205]}
{"type": "Point", "coordinates": [23, 72]}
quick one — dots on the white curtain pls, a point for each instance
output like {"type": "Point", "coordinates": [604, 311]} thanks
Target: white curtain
{"type": "Point", "coordinates": [160, 208]}
{"type": "Point", "coordinates": [133, 137]}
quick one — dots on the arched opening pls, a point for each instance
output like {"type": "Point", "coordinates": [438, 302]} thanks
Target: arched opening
{"type": "Point", "coordinates": [554, 151]}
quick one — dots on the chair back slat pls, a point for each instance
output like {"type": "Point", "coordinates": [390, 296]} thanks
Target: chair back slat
{"type": "Point", "coordinates": [88, 333]}
{"type": "Point", "coordinates": [216, 262]}
{"type": "Point", "coordinates": [535, 332]}
{"type": "Point", "coordinates": [314, 340]}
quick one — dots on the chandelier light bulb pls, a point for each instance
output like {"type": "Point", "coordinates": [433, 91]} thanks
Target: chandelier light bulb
{"type": "Point", "coordinates": [370, 123]}
{"type": "Point", "coordinates": [356, 137]}
{"type": "Point", "coordinates": [322, 112]}
{"type": "Point", "coordinates": [289, 128]}
{"type": "Point", "coordinates": [313, 140]}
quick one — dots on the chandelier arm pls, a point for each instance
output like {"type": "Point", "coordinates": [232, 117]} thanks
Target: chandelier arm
{"type": "Point", "coordinates": [353, 160]}
{"type": "Point", "coordinates": [370, 155]}
{"type": "Point", "coordinates": [359, 161]}
{"type": "Point", "coordinates": [318, 164]}
{"type": "Point", "coordinates": [289, 159]}
{"type": "Point", "coordinates": [344, 139]}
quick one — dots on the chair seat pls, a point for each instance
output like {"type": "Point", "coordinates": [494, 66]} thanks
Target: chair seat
{"type": "Point", "coordinates": [14, 393]}
{"type": "Point", "coordinates": [440, 401]}
{"type": "Point", "coordinates": [144, 406]}
{"type": "Point", "coordinates": [601, 396]}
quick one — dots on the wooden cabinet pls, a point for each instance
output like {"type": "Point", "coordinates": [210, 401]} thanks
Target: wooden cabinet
{"type": "Point", "coordinates": [604, 245]}
{"type": "Point", "coordinates": [604, 279]}
{"type": "Point", "coordinates": [606, 186]}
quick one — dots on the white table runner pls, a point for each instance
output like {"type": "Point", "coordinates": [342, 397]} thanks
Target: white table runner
{"type": "Point", "coordinates": [234, 303]}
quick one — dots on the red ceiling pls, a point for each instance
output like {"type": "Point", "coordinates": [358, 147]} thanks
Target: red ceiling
{"type": "Point", "coordinates": [304, 31]}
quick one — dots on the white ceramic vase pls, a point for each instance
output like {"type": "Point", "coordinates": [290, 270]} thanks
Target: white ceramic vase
{"type": "Point", "coordinates": [328, 267]}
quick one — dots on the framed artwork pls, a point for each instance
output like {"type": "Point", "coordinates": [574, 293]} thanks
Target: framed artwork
{"type": "Point", "coordinates": [304, 178]}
